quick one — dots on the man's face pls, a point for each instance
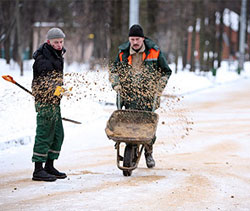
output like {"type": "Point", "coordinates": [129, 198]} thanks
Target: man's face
{"type": "Point", "coordinates": [136, 42]}
{"type": "Point", "coordinates": [56, 43]}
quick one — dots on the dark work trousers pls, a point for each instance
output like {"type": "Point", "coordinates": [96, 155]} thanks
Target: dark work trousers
{"type": "Point", "coordinates": [49, 133]}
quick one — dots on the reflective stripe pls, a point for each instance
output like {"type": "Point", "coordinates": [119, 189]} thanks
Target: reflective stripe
{"type": "Point", "coordinates": [120, 56]}
{"type": "Point", "coordinates": [149, 60]}
{"type": "Point", "coordinates": [53, 151]}
{"type": "Point", "coordinates": [41, 155]}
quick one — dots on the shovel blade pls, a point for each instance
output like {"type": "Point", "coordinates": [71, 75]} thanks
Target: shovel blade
{"type": "Point", "coordinates": [9, 78]}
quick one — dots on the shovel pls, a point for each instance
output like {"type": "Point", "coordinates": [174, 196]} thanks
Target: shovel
{"type": "Point", "coordinates": [10, 79]}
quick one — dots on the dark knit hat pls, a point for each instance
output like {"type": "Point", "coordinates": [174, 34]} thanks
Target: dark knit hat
{"type": "Point", "coordinates": [136, 31]}
{"type": "Point", "coordinates": [54, 33]}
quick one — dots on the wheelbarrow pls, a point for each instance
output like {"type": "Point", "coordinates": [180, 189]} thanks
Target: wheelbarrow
{"type": "Point", "coordinates": [135, 128]}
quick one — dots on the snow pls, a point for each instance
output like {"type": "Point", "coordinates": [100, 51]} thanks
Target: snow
{"type": "Point", "coordinates": [231, 18]}
{"type": "Point", "coordinates": [92, 103]}
{"type": "Point", "coordinates": [17, 116]}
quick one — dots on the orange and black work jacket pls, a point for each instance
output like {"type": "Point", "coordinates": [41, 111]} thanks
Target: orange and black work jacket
{"type": "Point", "coordinates": [140, 88]}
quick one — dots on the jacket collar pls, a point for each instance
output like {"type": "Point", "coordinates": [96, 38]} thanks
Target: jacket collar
{"type": "Point", "coordinates": [46, 50]}
{"type": "Point", "coordinates": [148, 45]}
{"type": "Point", "coordinates": [132, 51]}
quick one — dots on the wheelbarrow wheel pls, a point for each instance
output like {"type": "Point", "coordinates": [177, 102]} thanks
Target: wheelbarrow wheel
{"type": "Point", "coordinates": [127, 173]}
{"type": "Point", "coordinates": [128, 159]}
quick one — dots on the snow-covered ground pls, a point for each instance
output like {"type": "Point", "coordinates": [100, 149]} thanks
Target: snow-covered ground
{"type": "Point", "coordinates": [91, 93]}
{"type": "Point", "coordinates": [97, 176]}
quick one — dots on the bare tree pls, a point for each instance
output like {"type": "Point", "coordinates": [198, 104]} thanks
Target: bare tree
{"type": "Point", "coordinates": [119, 25]}
{"type": "Point", "coordinates": [7, 24]}
{"type": "Point", "coordinates": [165, 21]}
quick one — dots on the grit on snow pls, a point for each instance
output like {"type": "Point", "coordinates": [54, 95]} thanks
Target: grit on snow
{"type": "Point", "coordinates": [91, 92]}
{"type": "Point", "coordinates": [179, 181]}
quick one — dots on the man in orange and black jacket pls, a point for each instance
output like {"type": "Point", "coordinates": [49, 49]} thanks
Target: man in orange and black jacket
{"type": "Point", "coordinates": [140, 73]}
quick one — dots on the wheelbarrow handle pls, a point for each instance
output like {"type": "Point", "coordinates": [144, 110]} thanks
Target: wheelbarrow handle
{"type": "Point", "coordinates": [154, 103]}
{"type": "Point", "coordinates": [119, 100]}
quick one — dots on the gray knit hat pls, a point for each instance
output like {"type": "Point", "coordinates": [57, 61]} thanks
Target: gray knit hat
{"type": "Point", "coordinates": [54, 33]}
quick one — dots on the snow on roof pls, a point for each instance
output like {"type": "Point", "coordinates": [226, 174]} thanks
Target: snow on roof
{"type": "Point", "coordinates": [231, 19]}
{"type": "Point", "coordinates": [48, 24]}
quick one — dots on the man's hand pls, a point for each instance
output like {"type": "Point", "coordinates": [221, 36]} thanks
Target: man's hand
{"type": "Point", "coordinates": [118, 88]}
{"type": "Point", "coordinates": [161, 85]}
{"type": "Point", "coordinates": [114, 79]}
{"type": "Point", "coordinates": [62, 91]}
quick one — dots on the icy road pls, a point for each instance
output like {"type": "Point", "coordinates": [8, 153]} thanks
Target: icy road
{"type": "Point", "coordinates": [202, 159]}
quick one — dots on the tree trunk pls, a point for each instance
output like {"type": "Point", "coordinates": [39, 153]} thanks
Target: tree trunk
{"type": "Point", "coordinates": [7, 50]}
{"type": "Point", "coordinates": [213, 41]}
{"type": "Point", "coordinates": [19, 45]}
{"type": "Point", "coordinates": [220, 39]}
{"type": "Point", "coordinates": [202, 43]}
{"type": "Point", "coordinates": [184, 47]}
{"type": "Point", "coordinates": [193, 47]}
{"type": "Point", "coordinates": [152, 8]}
{"type": "Point", "coordinates": [116, 28]}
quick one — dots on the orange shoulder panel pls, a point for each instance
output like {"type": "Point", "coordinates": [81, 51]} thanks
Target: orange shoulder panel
{"type": "Point", "coordinates": [153, 54]}
{"type": "Point", "coordinates": [130, 60]}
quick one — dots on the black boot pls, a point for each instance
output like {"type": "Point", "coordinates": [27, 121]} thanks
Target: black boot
{"type": "Point", "coordinates": [149, 160]}
{"type": "Point", "coordinates": [40, 174]}
{"type": "Point", "coordinates": [49, 168]}
{"type": "Point", "coordinates": [148, 156]}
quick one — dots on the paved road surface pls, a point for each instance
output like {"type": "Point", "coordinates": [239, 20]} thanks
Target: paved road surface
{"type": "Point", "coordinates": [202, 156]}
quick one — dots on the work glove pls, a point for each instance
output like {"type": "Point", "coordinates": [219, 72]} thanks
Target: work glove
{"type": "Point", "coordinates": [114, 79]}
{"type": "Point", "coordinates": [161, 85]}
{"type": "Point", "coordinates": [62, 91]}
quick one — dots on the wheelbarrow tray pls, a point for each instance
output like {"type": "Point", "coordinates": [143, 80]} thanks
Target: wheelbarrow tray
{"type": "Point", "coordinates": [132, 126]}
